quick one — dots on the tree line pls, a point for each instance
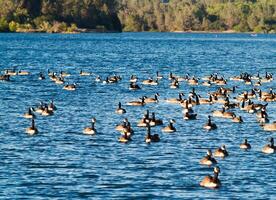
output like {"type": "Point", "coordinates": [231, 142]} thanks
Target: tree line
{"type": "Point", "coordinates": [138, 15]}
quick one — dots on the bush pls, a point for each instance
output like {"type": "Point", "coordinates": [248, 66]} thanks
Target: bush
{"type": "Point", "coordinates": [4, 26]}
{"type": "Point", "coordinates": [13, 26]}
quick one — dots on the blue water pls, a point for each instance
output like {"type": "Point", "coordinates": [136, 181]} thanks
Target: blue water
{"type": "Point", "coordinates": [61, 162]}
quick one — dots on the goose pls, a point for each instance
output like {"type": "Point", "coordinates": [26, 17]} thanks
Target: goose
{"type": "Point", "coordinates": [237, 119]}
{"type": "Point", "coordinates": [208, 159]}
{"type": "Point", "coordinates": [174, 84]}
{"type": "Point", "coordinates": [32, 129]}
{"type": "Point", "coordinates": [90, 130]}
{"type": "Point", "coordinates": [245, 145]}
{"type": "Point", "coordinates": [152, 100]}
{"type": "Point", "coordinates": [170, 128]}
{"type": "Point", "coordinates": [176, 100]}
{"type": "Point", "coordinates": [122, 126]}
{"type": "Point", "coordinates": [64, 74]}
{"type": "Point", "coordinates": [151, 138]}
{"type": "Point", "coordinates": [154, 121]}
{"type": "Point", "coordinates": [29, 114]}
{"type": "Point", "coordinates": [137, 103]}
{"type": "Point", "coordinates": [125, 138]}
{"type": "Point", "coordinates": [23, 73]}
{"type": "Point", "coordinates": [5, 77]}
{"type": "Point", "coordinates": [98, 79]}
{"type": "Point", "coordinates": [59, 80]}
{"type": "Point", "coordinates": [189, 116]}
{"type": "Point", "coordinates": [158, 75]}
{"type": "Point", "coordinates": [193, 81]}
{"type": "Point", "coordinates": [133, 79]}
{"type": "Point", "coordinates": [211, 182]}
{"type": "Point", "coordinates": [269, 148]}
{"type": "Point", "coordinates": [70, 87]}
{"type": "Point", "coordinates": [209, 125]}
{"type": "Point", "coordinates": [270, 127]}
{"type": "Point", "coordinates": [47, 112]}
{"type": "Point", "coordinates": [51, 106]}
{"type": "Point", "coordinates": [41, 76]}
{"type": "Point", "coordinates": [134, 86]}
{"type": "Point", "coordinates": [150, 81]}
{"type": "Point", "coordinates": [120, 110]}
{"type": "Point", "coordinates": [221, 152]}
{"type": "Point", "coordinates": [82, 73]}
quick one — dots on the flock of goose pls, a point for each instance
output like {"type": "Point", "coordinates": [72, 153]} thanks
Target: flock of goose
{"type": "Point", "coordinates": [242, 101]}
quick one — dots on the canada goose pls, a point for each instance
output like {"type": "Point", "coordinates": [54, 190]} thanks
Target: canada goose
{"type": "Point", "coordinates": [193, 81]}
{"type": "Point", "coordinates": [152, 100]}
{"type": "Point", "coordinates": [211, 182]}
{"type": "Point", "coordinates": [90, 130]}
{"type": "Point", "coordinates": [187, 108]}
{"type": "Point", "coordinates": [245, 145]}
{"type": "Point", "coordinates": [174, 84]}
{"type": "Point", "coordinates": [150, 81]}
{"type": "Point", "coordinates": [133, 79]}
{"type": "Point", "coordinates": [223, 114]}
{"type": "Point", "coordinates": [143, 122]}
{"type": "Point", "coordinates": [29, 114]}
{"type": "Point", "coordinates": [125, 138]}
{"type": "Point", "coordinates": [98, 79]}
{"type": "Point", "coordinates": [137, 103]}
{"type": "Point", "coordinates": [122, 126]}
{"type": "Point", "coordinates": [82, 73]}
{"type": "Point", "coordinates": [151, 138]}
{"type": "Point", "coordinates": [221, 152]}
{"type": "Point", "coordinates": [53, 76]}
{"type": "Point", "coordinates": [171, 76]}
{"type": "Point", "coordinates": [120, 110]}
{"type": "Point", "coordinates": [170, 128]}
{"type": "Point", "coordinates": [209, 125]}
{"type": "Point", "coordinates": [41, 76]}
{"type": "Point", "coordinates": [176, 100]}
{"type": "Point", "coordinates": [64, 74]}
{"type": "Point", "coordinates": [23, 73]}
{"type": "Point", "coordinates": [158, 75]}
{"type": "Point", "coordinates": [263, 118]}
{"type": "Point", "coordinates": [237, 119]}
{"type": "Point", "coordinates": [189, 116]}
{"type": "Point", "coordinates": [205, 101]}
{"type": "Point", "coordinates": [269, 148]}
{"type": "Point", "coordinates": [51, 106]}
{"type": "Point", "coordinates": [40, 108]}
{"type": "Point", "coordinates": [5, 77]}
{"type": "Point", "coordinates": [207, 83]}
{"type": "Point", "coordinates": [154, 121]}
{"type": "Point", "coordinates": [47, 112]}
{"type": "Point", "coordinates": [59, 80]}
{"type": "Point", "coordinates": [32, 129]}
{"type": "Point", "coordinates": [208, 159]}
{"type": "Point", "coordinates": [10, 72]}
{"type": "Point", "coordinates": [134, 86]}
{"type": "Point", "coordinates": [270, 127]}
{"type": "Point", "coordinates": [70, 87]}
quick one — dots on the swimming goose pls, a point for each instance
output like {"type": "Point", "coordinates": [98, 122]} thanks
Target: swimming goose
{"type": "Point", "coordinates": [209, 125]}
{"type": "Point", "coordinates": [211, 182]}
{"type": "Point", "coordinates": [170, 128]}
{"type": "Point", "coordinates": [51, 106]}
{"type": "Point", "coordinates": [90, 130]}
{"type": "Point", "coordinates": [134, 86]}
{"type": "Point", "coordinates": [270, 127]}
{"type": "Point", "coordinates": [5, 77]}
{"type": "Point", "coordinates": [133, 79]}
{"type": "Point", "coordinates": [152, 100]}
{"type": "Point", "coordinates": [41, 76]}
{"type": "Point", "coordinates": [64, 74]}
{"type": "Point", "coordinates": [120, 110]}
{"type": "Point", "coordinates": [269, 148]}
{"type": "Point", "coordinates": [40, 108]}
{"type": "Point", "coordinates": [59, 80]}
{"type": "Point", "coordinates": [125, 138]}
{"type": "Point", "coordinates": [70, 87]}
{"type": "Point", "coordinates": [123, 125]}
{"type": "Point", "coordinates": [32, 129]}
{"type": "Point", "coordinates": [174, 84]}
{"type": "Point", "coordinates": [98, 79]}
{"type": "Point", "coordinates": [23, 73]}
{"type": "Point", "coordinates": [176, 100]}
{"type": "Point", "coordinates": [150, 81]}
{"type": "Point", "coordinates": [137, 103]}
{"type": "Point", "coordinates": [29, 114]}
{"type": "Point", "coordinates": [245, 145]}
{"type": "Point", "coordinates": [221, 152]}
{"type": "Point", "coordinates": [237, 119]}
{"type": "Point", "coordinates": [158, 75]}
{"type": "Point", "coordinates": [82, 73]}
{"type": "Point", "coordinates": [193, 81]}
{"type": "Point", "coordinates": [151, 138]}
{"type": "Point", "coordinates": [208, 159]}
{"type": "Point", "coordinates": [189, 116]}
{"type": "Point", "coordinates": [47, 112]}
{"type": "Point", "coordinates": [154, 121]}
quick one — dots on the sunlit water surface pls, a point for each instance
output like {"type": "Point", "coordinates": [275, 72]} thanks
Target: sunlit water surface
{"type": "Point", "coordinates": [62, 162]}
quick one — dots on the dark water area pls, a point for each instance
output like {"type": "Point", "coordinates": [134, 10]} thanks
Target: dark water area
{"type": "Point", "coordinates": [61, 162]}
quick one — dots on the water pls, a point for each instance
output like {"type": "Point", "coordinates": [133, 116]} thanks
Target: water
{"type": "Point", "coordinates": [61, 162]}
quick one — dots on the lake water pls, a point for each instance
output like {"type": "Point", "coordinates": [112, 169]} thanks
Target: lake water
{"type": "Point", "coordinates": [61, 162]}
